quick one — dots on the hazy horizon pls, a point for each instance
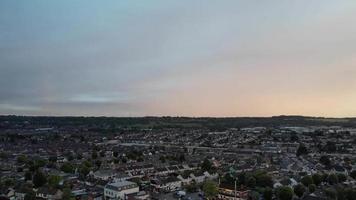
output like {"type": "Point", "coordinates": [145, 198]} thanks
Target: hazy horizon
{"type": "Point", "coordinates": [206, 58]}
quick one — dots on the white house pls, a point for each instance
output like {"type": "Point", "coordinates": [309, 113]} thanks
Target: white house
{"type": "Point", "coordinates": [119, 190]}
{"type": "Point", "coordinates": [167, 184]}
{"type": "Point", "coordinates": [201, 177]}
{"type": "Point", "coordinates": [104, 175]}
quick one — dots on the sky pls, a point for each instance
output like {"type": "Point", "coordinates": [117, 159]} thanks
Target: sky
{"type": "Point", "coordinates": [178, 57]}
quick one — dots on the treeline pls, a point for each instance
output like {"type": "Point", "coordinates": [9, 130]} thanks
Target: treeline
{"type": "Point", "coordinates": [175, 122]}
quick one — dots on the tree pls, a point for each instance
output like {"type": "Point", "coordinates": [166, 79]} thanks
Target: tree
{"type": "Point", "coordinates": [191, 188]}
{"type": "Point", "coordinates": [102, 153]}
{"type": "Point", "coordinates": [341, 177]}
{"type": "Point", "coordinates": [40, 163]}
{"type": "Point", "coordinates": [299, 190]}
{"type": "Point", "coordinates": [9, 182]}
{"type": "Point", "coordinates": [39, 179]}
{"type": "Point", "coordinates": [206, 165]}
{"type": "Point", "coordinates": [87, 164]}
{"type": "Point", "coordinates": [67, 167]}
{"type": "Point", "coordinates": [268, 194]}
{"type": "Point", "coordinates": [3, 155]}
{"type": "Point", "coordinates": [251, 182]}
{"type": "Point", "coordinates": [325, 160]}
{"type": "Point", "coordinates": [22, 159]}
{"type": "Point", "coordinates": [340, 193]}
{"type": "Point", "coordinates": [210, 189]}
{"type": "Point", "coordinates": [333, 179]}
{"type": "Point", "coordinates": [312, 188]}
{"type": "Point", "coordinates": [330, 193]}
{"type": "Point", "coordinates": [350, 193]}
{"type": "Point", "coordinates": [79, 156]}
{"type": "Point", "coordinates": [253, 195]}
{"type": "Point", "coordinates": [28, 176]}
{"type": "Point", "coordinates": [302, 150]}
{"type": "Point", "coordinates": [115, 154]}
{"type": "Point", "coordinates": [84, 170]}
{"type": "Point", "coordinates": [67, 194]}
{"type": "Point", "coordinates": [52, 159]}
{"type": "Point", "coordinates": [307, 180]}
{"type": "Point", "coordinates": [30, 195]}
{"type": "Point", "coordinates": [353, 174]}
{"type": "Point", "coordinates": [94, 155]}
{"type": "Point", "coordinates": [317, 179]}
{"type": "Point", "coordinates": [263, 179]}
{"type": "Point", "coordinates": [162, 159]}
{"type": "Point", "coordinates": [98, 163]}
{"type": "Point", "coordinates": [285, 193]}
{"type": "Point", "coordinates": [181, 158]}
{"type": "Point", "coordinates": [54, 180]}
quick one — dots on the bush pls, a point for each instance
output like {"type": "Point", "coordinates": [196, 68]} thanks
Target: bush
{"type": "Point", "coordinates": [307, 180]}
{"type": "Point", "coordinates": [299, 190]}
{"type": "Point", "coordinates": [285, 193]}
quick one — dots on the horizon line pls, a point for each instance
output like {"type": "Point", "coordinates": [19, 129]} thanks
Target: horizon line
{"type": "Point", "coordinates": [172, 116]}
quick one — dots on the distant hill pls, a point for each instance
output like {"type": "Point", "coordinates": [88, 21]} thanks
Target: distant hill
{"type": "Point", "coordinates": [177, 122]}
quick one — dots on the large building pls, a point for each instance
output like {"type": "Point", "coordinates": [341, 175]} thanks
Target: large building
{"type": "Point", "coordinates": [119, 190]}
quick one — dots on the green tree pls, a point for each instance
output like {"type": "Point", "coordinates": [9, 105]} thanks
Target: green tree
{"type": "Point", "coordinates": [30, 195]}
{"type": "Point", "coordinates": [3, 155]}
{"type": "Point", "coordinates": [54, 180]}
{"type": "Point", "coordinates": [251, 182]}
{"type": "Point", "coordinates": [268, 194]}
{"type": "Point", "coordinates": [210, 189]}
{"type": "Point", "coordinates": [312, 188]}
{"type": "Point", "coordinates": [94, 155]}
{"type": "Point", "coordinates": [330, 193]}
{"type": "Point", "coordinates": [22, 159]}
{"type": "Point", "coordinates": [79, 156]}
{"type": "Point", "coordinates": [285, 193]}
{"type": "Point", "coordinates": [317, 179]}
{"type": "Point", "coordinates": [263, 179]}
{"type": "Point", "coordinates": [102, 153]}
{"type": "Point", "coordinates": [28, 176]}
{"type": "Point", "coordinates": [341, 177]}
{"type": "Point", "coordinates": [39, 179]}
{"type": "Point", "coordinates": [40, 163]}
{"type": "Point", "coordinates": [350, 193]}
{"type": "Point", "coordinates": [67, 194]}
{"type": "Point", "coordinates": [340, 193]}
{"type": "Point", "coordinates": [325, 160]}
{"type": "Point", "coordinates": [181, 158]}
{"type": "Point", "coordinates": [84, 170]}
{"type": "Point", "coordinates": [52, 159]}
{"type": "Point", "coordinates": [333, 179]}
{"type": "Point", "coordinates": [191, 188]}
{"type": "Point", "coordinates": [87, 163]}
{"type": "Point", "coordinates": [67, 167]}
{"type": "Point", "coordinates": [162, 159]}
{"type": "Point", "coordinates": [299, 190]}
{"type": "Point", "coordinates": [307, 180]}
{"type": "Point", "coordinates": [206, 165]}
{"type": "Point", "coordinates": [9, 182]}
{"type": "Point", "coordinates": [253, 195]}
{"type": "Point", "coordinates": [98, 163]}
{"type": "Point", "coordinates": [353, 174]}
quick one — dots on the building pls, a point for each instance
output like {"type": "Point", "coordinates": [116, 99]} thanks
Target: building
{"type": "Point", "coordinates": [166, 184]}
{"type": "Point", "coordinates": [119, 190]}
{"type": "Point", "coordinates": [104, 175]}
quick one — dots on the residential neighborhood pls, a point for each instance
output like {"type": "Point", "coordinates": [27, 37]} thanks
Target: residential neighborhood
{"type": "Point", "coordinates": [60, 161]}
